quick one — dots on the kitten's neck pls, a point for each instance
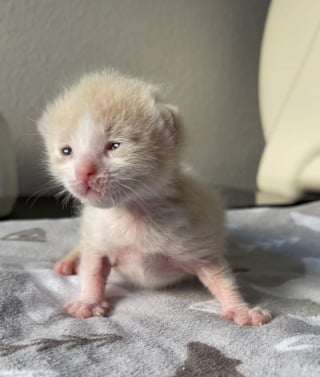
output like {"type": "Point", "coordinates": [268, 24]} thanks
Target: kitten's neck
{"type": "Point", "coordinates": [168, 192]}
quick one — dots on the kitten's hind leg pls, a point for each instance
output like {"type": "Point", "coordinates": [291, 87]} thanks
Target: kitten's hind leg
{"type": "Point", "coordinates": [68, 265]}
{"type": "Point", "coordinates": [221, 283]}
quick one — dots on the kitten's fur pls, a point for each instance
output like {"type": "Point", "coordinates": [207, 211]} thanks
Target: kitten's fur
{"type": "Point", "coordinates": [142, 213]}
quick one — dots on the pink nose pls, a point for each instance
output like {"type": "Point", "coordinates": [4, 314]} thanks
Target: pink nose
{"type": "Point", "coordinates": [85, 173]}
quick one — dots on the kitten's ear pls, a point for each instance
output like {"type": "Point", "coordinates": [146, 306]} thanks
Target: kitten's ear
{"type": "Point", "coordinates": [43, 124]}
{"type": "Point", "coordinates": [172, 122]}
{"type": "Point", "coordinates": [169, 114]}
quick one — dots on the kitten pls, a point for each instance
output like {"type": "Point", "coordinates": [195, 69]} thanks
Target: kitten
{"type": "Point", "coordinates": [115, 145]}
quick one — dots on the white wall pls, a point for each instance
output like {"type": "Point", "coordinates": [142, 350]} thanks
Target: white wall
{"type": "Point", "coordinates": [207, 50]}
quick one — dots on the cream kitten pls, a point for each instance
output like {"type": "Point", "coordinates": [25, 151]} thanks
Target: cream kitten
{"type": "Point", "coordinates": [115, 145]}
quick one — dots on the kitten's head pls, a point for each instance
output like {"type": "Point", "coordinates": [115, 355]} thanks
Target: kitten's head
{"type": "Point", "coordinates": [110, 138]}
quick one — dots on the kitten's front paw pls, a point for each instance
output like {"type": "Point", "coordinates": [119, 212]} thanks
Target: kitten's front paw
{"type": "Point", "coordinates": [83, 309]}
{"type": "Point", "coordinates": [248, 317]}
{"type": "Point", "coordinates": [64, 267]}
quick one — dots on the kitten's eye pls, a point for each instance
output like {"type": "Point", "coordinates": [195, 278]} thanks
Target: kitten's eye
{"type": "Point", "coordinates": [66, 151]}
{"type": "Point", "coordinates": [112, 146]}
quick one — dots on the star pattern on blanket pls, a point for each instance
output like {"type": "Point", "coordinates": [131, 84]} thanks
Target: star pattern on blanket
{"type": "Point", "coordinates": [70, 341]}
{"type": "Point", "coordinates": [307, 340]}
{"type": "Point", "coordinates": [33, 235]}
{"type": "Point", "coordinates": [207, 361]}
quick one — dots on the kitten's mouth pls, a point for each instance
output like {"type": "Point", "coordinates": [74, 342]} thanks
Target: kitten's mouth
{"type": "Point", "coordinates": [93, 196]}
{"type": "Point", "coordinates": [92, 192]}
{"type": "Point", "coordinates": [88, 191]}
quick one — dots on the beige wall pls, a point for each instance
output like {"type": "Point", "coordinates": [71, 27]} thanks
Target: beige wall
{"type": "Point", "coordinates": [207, 50]}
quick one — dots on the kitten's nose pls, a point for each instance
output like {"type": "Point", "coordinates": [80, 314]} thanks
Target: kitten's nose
{"type": "Point", "coordinates": [84, 173]}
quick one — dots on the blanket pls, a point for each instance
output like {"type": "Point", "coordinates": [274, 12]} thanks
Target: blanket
{"type": "Point", "coordinates": [172, 332]}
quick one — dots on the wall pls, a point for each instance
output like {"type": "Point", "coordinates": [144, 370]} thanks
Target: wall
{"type": "Point", "coordinates": [206, 51]}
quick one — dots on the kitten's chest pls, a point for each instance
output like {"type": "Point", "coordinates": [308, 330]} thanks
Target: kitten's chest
{"type": "Point", "coordinates": [115, 229]}
{"type": "Point", "coordinates": [118, 230]}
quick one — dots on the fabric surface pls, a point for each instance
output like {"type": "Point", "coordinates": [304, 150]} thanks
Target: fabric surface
{"type": "Point", "coordinates": [173, 332]}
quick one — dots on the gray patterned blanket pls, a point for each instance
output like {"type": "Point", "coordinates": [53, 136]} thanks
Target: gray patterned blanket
{"type": "Point", "coordinates": [174, 332]}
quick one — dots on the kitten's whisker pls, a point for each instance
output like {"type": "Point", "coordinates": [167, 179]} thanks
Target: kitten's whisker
{"type": "Point", "coordinates": [123, 186]}
{"type": "Point", "coordinates": [38, 194]}
{"type": "Point", "coordinates": [67, 197]}
{"type": "Point", "coordinates": [139, 182]}
{"type": "Point", "coordinates": [66, 200]}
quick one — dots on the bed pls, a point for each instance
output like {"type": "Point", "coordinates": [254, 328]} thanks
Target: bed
{"type": "Point", "coordinates": [170, 332]}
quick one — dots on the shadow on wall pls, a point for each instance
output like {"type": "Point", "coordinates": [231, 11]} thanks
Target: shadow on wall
{"type": "Point", "coordinates": [8, 170]}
